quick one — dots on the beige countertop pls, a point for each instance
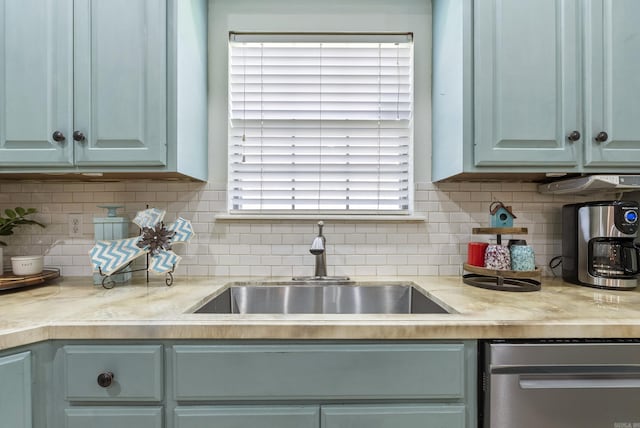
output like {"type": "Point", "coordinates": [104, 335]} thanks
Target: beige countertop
{"type": "Point", "coordinates": [73, 308]}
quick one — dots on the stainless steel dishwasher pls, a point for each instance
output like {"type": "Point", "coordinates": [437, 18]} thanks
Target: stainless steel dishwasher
{"type": "Point", "coordinates": [561, 384]}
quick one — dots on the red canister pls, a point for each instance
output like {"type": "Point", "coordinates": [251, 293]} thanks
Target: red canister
{"type": "Point", "coordinates": [475, 253]}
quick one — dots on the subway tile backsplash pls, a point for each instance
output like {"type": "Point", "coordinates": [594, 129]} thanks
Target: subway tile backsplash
{"type": "Point", "coordinates": [281, 248]}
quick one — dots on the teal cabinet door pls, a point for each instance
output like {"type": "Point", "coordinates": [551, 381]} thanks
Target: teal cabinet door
{"type": "Point", "coordinates": [15, 391]}
{"type": "Point", "coordinates": [36, 82]}
{"type": "Point", "coordinates": [319, 372]}
{"type": "Point", "coordinates": [120, 88]}
{"type": "Point", "coordinates": [247, 417]}
{"type": "Point", "coordinates": [612, 83]}
{"type": "Point", "coordinates": [393, 416]}
{"type": "Point", "coordinates": [111, 417]}
{"type": "Point", "coordinates": [526, 86]}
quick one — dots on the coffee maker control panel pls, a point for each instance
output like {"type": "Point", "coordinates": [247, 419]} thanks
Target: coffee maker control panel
{"type": "Point", "coordinates": [626, 218]}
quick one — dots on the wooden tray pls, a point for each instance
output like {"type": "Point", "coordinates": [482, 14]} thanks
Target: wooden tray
{"type": "Point", "coordinates": [503, 273]}
{"type": "Point", "coordinates": [499, 230]}
{"type": "Point", "coordinates": [9, 281]}
{"type": "Point", "coordinates": [503, 280]}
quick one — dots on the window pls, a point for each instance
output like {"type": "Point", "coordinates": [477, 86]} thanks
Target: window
{"type": "Point", "coordinates": [320, 123]}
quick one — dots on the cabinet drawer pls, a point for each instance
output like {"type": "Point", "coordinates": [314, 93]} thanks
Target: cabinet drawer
{"type": "Point", "coordinates": [248, 416]}
{"type": "Point", "coordinates": [226, 372]}
{"type": "Point", "coordinates": [137, 373]}
{"type": "Point", "coordinates": [400, 416]}
{"type": "Point", "coordinates": [110, 417]}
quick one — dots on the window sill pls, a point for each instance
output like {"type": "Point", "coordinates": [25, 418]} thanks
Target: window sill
{"type": "Point", "coordinates": [379, 218]}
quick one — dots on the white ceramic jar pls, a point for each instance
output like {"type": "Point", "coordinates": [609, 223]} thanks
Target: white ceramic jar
{"type": "Point", "coordinates": [27, 265]}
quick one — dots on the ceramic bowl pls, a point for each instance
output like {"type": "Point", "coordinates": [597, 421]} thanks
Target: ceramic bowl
{"type": "Point", "coordinates": [27, 265]}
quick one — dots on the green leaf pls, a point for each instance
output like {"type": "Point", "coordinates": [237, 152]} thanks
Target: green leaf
{"type": "Point", "coordinates": [21, 211]}
{"type": "Point", "coordinates": [10, 213]}
{"type": "Point", "coordinates": [31, 211]}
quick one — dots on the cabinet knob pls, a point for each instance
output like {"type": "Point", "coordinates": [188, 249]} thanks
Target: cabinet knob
{"type": "Point", "coordinates": [602, 137]}
{"type": "Point", "coordinates": [78, 136]}
{"type": "Point", "coordinates": [58, 136]}
{"type": "Point", "coordinates": [573, 136]}
{"type": "Point", "coordinates": [105, 379]}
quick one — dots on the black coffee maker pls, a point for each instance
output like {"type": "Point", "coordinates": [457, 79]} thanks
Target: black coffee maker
{"type": "Point", "coordinates": [598, 247]}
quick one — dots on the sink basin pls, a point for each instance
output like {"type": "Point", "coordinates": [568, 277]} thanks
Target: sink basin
{"type": "Point", "coordinates": [321, 297]}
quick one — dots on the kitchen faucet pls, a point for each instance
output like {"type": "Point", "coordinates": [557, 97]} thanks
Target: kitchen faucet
{"type": "Point", "coordinates": [319, 249]}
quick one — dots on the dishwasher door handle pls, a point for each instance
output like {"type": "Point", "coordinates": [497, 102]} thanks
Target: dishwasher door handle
{"type": "Point", "coordinates": [593, 381]}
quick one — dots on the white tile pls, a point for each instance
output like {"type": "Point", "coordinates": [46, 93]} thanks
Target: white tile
{"type": "Point", "coordinates": [390, 270]}
{"type": "Point", "coordinates": [428, 270]}
{"type": "Point", "coordinates": [408, 270]}
{"type": "Point", "coordinates": [258, 270]}
{"type": "Point", "coordinates": [223, 248]}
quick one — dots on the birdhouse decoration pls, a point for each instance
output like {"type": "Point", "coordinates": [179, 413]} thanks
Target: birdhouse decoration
{"type": "Point", "coordinates": [500, 215]}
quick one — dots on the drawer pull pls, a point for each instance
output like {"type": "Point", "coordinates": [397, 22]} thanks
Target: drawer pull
{"type": "Point", "coordinates": [574, 136]}
{"type": "Point", "coordinates": [58, 137]}
{"type": "Point", "coordinates": [79, 136]}
{"type": "Point", "coordinates": [105, 379]}
{"type": "Point", "coordinates": [602, 137]}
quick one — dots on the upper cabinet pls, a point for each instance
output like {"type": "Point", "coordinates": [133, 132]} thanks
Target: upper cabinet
{"type": "Point", "coordinates": [120, 82]}
{"type": "Point", "coordinates": [95, 86]}
{"type": "Point", "coordinates": [36, 82]}
{"type": "Point", "coordinates": [612, 84]}
{"type": "Point", "coordinates": [526, 80]}
{"type": "Point", "coordinates": [535, 86]}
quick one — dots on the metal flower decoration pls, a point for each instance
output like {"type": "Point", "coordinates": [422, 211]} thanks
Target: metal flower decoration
{"type": "Point", "coordinates": [156, 239]}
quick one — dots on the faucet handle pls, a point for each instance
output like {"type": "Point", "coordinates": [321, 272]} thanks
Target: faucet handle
{"type": "Point", "coordinates": [317, 246]}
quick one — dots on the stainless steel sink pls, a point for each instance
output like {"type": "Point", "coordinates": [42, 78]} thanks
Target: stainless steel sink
{"type": "Point", "coordinates": [321, 297]}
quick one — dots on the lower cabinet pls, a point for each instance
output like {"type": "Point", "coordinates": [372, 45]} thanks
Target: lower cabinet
{"type": "Point", "coordinates": [15, 391]}
{"type": "Point", "coordinates": [247, 416]}
{"type": "Point", "coordinates": [241, 384]}
{"type": "Point", "coordinates": [395, 416]}
{"type": "Point", "coordinates": [329, 416]}
{"type": "Point", "coordinates": [323, 384]}
{"type": "Point", "coordinates": [107, 386]}
{"type": "Point", "coordinates": [113, 373]}
{"type": "Point", "coordinates": [353, 371]}
{"type": "Point", "coordinates": [112, 417]}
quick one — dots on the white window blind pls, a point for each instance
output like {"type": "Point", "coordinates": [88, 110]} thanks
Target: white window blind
{"type": "Point", "coordinates": [320, 123]}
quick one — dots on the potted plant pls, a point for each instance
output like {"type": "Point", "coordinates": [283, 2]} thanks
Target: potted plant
{"type": "Point", "coordinates": [14, 217]}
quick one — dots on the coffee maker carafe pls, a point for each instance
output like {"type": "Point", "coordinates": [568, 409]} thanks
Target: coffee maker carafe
{"type": "Point", "coordinates": [598, 248]}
